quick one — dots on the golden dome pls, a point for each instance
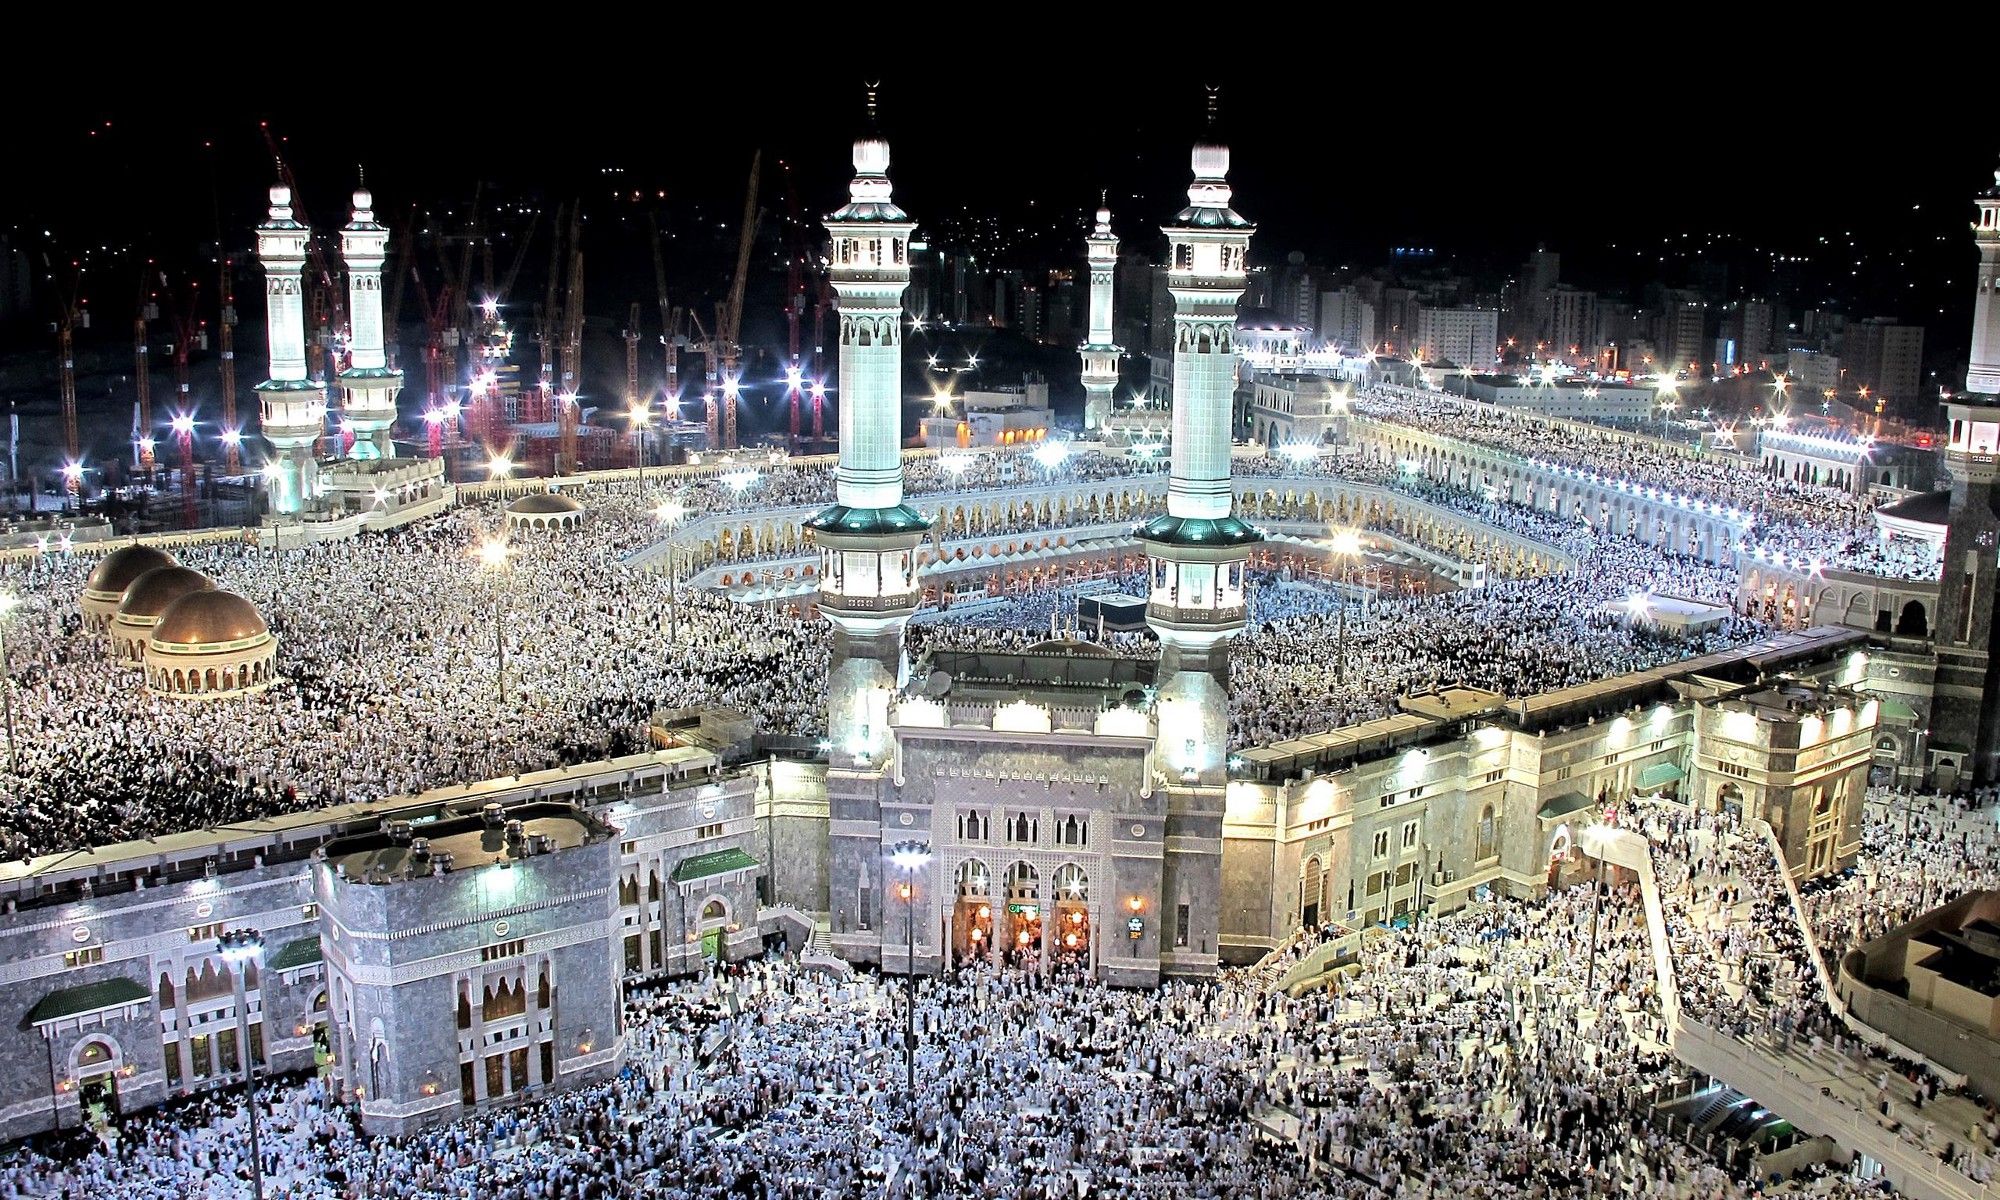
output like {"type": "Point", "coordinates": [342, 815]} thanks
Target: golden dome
{"type": "Point", "coordinates": [207, 618]}
{"type": "Point", "coordinates": [544, 504]}
{"type": "Point", "coordinates": [151, 593]}
{"type": "Point", "coordinates": [116, 570]}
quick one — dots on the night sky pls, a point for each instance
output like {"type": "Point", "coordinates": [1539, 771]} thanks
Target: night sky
{"type": "Point", "coordinates": [1631, 173]}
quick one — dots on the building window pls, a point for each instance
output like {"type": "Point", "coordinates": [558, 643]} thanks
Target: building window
{"type": "Point", "coordinates": [1180, 925]}
{"type": "Point", "coordinates": [500, 950]}
{"type": "Point", "coordinates": [309, 910]}
{"type": "Point", "coordinates": [1409, 835]}
{"type": "Point", "coordinates": [1375, 882]}
{"type": "Point", "coordinates": [974, 827]}
{"type": "Point", "coordinates": [1496, 776]}
{"type": "Point", "coordinates": [1486, 848]}
{"type": "Point", "coordinates": [1381, 843]}
{"type": "Point", "coordinates": [708, 831]}
{"type": "Point", "coordinates": [1073, 831]}
{"type": "Point", "coordinates": [206, 933]}
{"type": "Point", "coordinates": [1024, 829]}
{"type": "Point", "coordinates": [84, 957]}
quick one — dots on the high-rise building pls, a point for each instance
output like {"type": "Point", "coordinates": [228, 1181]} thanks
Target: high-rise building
{"type": "Point", "coordinates": [369, 382]}
{"type": "Point", "coordinates": [292, 406]}
{"type": "Point", "coordinates": [1884, 356]}
{"type": "Point", "coordinates": [1750, 327]}
{"type": "Point", "coordinates": [1571, 330]}
{"type": "Point", "coordinates": [1198, 551]}
{"type": "Point", "coordinates": [1464, 336]}
{"type": "Point", "coordinates": [1100, 351]}
{"type": "Point", "coordinates": [1680, 336]}
{"type": "Point", "coordinates": [1396, 320]}
{"type": "Point", "coordinates": [1346, 320]}
{"type": "Point", "coordinates": [1965, 711]}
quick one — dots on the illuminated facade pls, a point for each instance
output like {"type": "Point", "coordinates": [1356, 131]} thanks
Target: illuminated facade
{"type": "Point", "coordinates": [1100, 353]}
{"type": "Point", "coordinates": [292, 406]}
{"type": "Point", "coordinates": [1965, 736]}
{"type": "Point", "coordinates": [369, 382]}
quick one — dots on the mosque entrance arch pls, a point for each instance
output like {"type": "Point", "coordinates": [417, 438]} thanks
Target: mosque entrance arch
{"type": "Point", "coordinates": [714, 917]}
{"type": "Point", "coordinates": [972, 911]}
{"type": "Point", "coordinates": [1072, 911]}
{"type": "Point", "coordinates": [1023, 933]}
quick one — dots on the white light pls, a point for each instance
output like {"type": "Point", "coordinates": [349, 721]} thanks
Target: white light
{"type": "Point", "coordinates": [670, 511]}
{"type": "Point", "coordinates": [956, 465]}
{"type": "Point", "coordinates": [1298, 452]}
{"type": "Point", "coordinates": [909, 858]}
{"type": "Point", "coordinates": [794, 377]}
{"type": "Point", "coordinates": [1051, 454]}
{"type": "Point", "coordinates": [499, 466]}
{"type": "Point", "coordinates": [739, 480]}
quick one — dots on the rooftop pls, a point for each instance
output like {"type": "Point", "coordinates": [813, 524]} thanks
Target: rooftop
{"type": "Point", "coordinates": [414, 849]}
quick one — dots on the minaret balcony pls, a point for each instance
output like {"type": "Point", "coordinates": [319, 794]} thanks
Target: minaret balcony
{"type": "Point", "coordinates": [904, 602]}
{"type": "Point", "coordinates": [1160, 612]}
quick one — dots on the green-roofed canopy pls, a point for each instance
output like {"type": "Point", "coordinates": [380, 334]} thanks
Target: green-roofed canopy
{"type": "Point", "coordinates": [839, 518]}
{"type": "Point", "coordinates": [300, 952]}
{"type": "Point", "coordinates": [1659, 775]}
{"type": "Point", "coordinates": [1564, 805]}
{"type": "Point", "coordinates": [1198, 531]}
{"type": "Point", "coordinates": [88, 998]}
{"type": "Point", "coordinates": [707, 866]}
{"type": "Point", "coordinates": [1896, 710]}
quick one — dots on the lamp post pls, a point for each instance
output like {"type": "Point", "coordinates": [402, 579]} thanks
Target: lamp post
{"type": "Point", "coordinates": [240, 948]}
{"type": "Point", "coordinates": [670, 513]}
{"type": "Point", "coordinates": [1346, 544]}
{"type": "Point", "coordinates": [910, 857]}
{"type": "Point", "coordinates": [8, 602]}
{"type": "Point", "coordinates": [493, 553]}
{"type": "Point", "coordinates": [1594, 841]}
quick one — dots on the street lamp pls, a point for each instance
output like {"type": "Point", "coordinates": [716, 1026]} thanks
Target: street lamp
{"type": "Point", "coordinates": [8, 602]}
{"type": "Point", "coordinates": [1596, 840]}
{"type": "Point", "coordinates": [910, 858]}
{"type": "Point", "coordinates": [241, 948]}
{"type": "Point", "coordinates": [493, 556]}
{"type": "Point", "coordinates": [1346, 547]}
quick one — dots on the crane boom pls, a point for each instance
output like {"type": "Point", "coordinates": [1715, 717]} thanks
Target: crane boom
{"type": "Point", "coordinates": [731, 317]}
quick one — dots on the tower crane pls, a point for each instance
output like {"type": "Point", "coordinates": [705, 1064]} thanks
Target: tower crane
{"type": "Point", "coordinates": [69, 314]}
{"type": "Point", "coordinates": [800, 265]}
{"type": "Point", "coordinates": [437, 318]}
{"type": "Point", "coordinates": [670, 324]}
{"type": "Point", "coordinates": [492, 343]}
{"type": "Point", "coordinates": [184, 313]}
{"type": "Point", "coordinates": [635, 412]}
{"type": "Point", "coordinates": [729, 314]}
{"type": "Point", "coordinates": [572, 352]}
{"type": "Point", "coordinates": [147, 309]}
{"type": "Point", "coordinates": [232, 437]}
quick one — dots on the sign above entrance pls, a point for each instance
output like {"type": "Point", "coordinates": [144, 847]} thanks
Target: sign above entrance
{"type": "Point", "coordinates": [1030, 911]}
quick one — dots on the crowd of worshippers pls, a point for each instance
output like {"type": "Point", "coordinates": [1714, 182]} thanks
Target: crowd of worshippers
{"type": "Point", "coordinates": [1803, 523]}
{"type": "Point", "coordinates": [1477, 1053]}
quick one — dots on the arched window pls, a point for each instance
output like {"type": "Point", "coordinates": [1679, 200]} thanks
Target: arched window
{"type": "Point", "coordinates": [1914, 622]}
{"type": "Point", "coordinates": [1488, 846]}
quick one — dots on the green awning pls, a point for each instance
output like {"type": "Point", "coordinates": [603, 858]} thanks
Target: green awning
{"type": "Point", "coordinates": [1170, 530]}
{"type": "Point", "coordinates": [707, 866]}
{"type": "Point", "coordinates": [1658, 775]}
{"type": "Point", "coordinates": [1896, 710]}
{"type": "Point", "coordinates": [839, 518]}
{"type": "Point", "coordinates": [1564, 805]}
{"type": "Point", "coordinates": [88, 998]}
{"type": "Point", "coordinates": [300, 952]}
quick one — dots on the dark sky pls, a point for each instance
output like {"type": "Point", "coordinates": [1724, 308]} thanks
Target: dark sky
{"type": "Point", "coordinates": [1615, 161]}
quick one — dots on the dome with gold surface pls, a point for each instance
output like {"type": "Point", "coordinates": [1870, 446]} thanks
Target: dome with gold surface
{"type": "Point", "coordinates": [115, 572]}
{"type": "Point", "coordinates": [210, 643]}
{"type": "Point", "coordinates": [146, 601]}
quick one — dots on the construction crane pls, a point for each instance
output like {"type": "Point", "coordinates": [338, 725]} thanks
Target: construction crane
{"type": "Point", "coordinates": [147, 309]}
{"type": "Point", "coordinates": [189, 331]}
{"type": "Point", "coordinates": [572, 354]}
{"type": "Point", "coordinates": [70, 313]}
{"type": "Point", "coordinates": [437, 320]}
{"type": "Point", "coordinates": [635, 412]}
{"type": "Point", "coordinates": [801, 264]}
{"type": "Point", "coordinates": [232, 436]}
{"type": "Point", "coordinates": [729, 314]}
{"type": "Point", "coordinates": [392, 313]}
{"type": "Point", "coordinates": [670, 325]}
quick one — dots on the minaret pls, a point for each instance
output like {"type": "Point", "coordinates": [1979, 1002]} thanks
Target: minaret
{"type": "Point", "coordinates": [370, 384]}
{"type": "Point", "coordinates": [1965, 701]}
{"type": "Point", "coordinates": [1198, 552]}
{"type": "Point", "coordinates": [867, 541]}
{"type": "Point", "coordinates": [1100, 354]}
{"type": "Point", "coordinates": [292, 406]}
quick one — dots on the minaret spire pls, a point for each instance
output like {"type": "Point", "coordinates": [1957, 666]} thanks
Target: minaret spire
{"type": "Point", "coordinates": [1198, 549]}
{"type": "Point", "coordinates": [292, 407]}
{"type": "Point", "coordinates": [370, 384]}
{"type": "Point", "coordinates": [868, 538]}
{"type": "Point", "coordinates": [1100, 353]}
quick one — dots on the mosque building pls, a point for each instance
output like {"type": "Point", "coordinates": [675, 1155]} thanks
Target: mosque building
{"type": "Point", "coordinates": [466, 947]}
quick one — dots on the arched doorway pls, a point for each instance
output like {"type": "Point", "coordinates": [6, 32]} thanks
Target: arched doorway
{"type": "Point", "coordinates": [714, 916]}
{"type": "Point", "coordinates": [94, 1065]}
{"type": "Point", "coordinates": [972, 913]}
{"type": "Point", "coordinates": [1729, 798]}
{"type": "Point", "coordinates": [1072, 910]}
{"type": "Point", "coordinates": [1024, 910]}
{"type": "Point", "coordinates": [1311, 885]}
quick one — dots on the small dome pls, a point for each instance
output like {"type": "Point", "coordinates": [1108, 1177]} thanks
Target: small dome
{"type": "Point", "coordinates": [544, 504]}
{"type": "Point", "coordinates": [122, 566]}
{"type": "Point", "coordinates": [152, 593]}
{"type": "Point", "coordinates": [204, 618]}
{"type": "Point", "coordinates": [1927, 508]}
